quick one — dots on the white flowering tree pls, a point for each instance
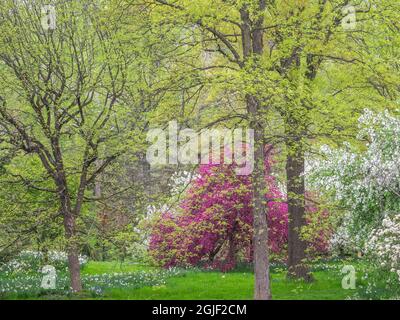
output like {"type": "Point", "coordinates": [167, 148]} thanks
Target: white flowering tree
{"type": "Point", "coordinates": [366, 183]}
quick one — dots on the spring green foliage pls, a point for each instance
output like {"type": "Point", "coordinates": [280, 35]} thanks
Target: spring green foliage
{"type": "Point", "coordinates": [77, 100]}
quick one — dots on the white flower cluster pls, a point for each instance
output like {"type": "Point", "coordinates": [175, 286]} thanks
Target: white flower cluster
{"type": "Point", "coordinates": [382, 158]}
{"type": "Point", "coordinates": [178, 184]}
{"type": "Point", "coordinates": [358, 177]}
{"type": "Point", "coordinates": [384, 245]}
{"type": "Point", "coordinates": [132, 280]}
{"type": "Point", "coordinates": [21, 284]}
{"type": "Point", "coordinates": [180, 180]}
{"type": "Point", "coordinates": [57, 257]}
{"type": "Point", "coordinates": [343, 242]}
{"type": "Point", "coordinates": [14, 266]}
{"type": "Point", "coordinates": [32, 261]}
{"type": "Point", "coordinates": [30, 284]}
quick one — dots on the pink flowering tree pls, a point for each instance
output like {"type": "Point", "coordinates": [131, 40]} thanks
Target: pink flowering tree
{"type": "Point", "coordinates": [214, 224]}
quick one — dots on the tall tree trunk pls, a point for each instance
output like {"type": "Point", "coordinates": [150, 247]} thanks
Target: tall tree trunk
{"type": "Point", "coordinates": [253, 47]}
{"type": "Point", "coordinates": [72, 243]}
{"type": "Point", "coordinates": [262, 286]}
{"type": "Point", "coordinates": [297, 264]}
{"type": "Point", "coordinates": [69, 215]}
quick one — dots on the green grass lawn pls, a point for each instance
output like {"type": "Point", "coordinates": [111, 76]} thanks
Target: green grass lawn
{"type": "Point", "coordinates": [97, 267]}
{"type": "Point", "coordinates": [235, 286]}
{"type": "Point", "coordinates": [210, 285]}
{"type": "Point", "coordinates": [203, 285]}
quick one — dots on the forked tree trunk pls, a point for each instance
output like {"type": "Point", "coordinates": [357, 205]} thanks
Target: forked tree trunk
{"type": "Point", "coordinates": [297, 265]}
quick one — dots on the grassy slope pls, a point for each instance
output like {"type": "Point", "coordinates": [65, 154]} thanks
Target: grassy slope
{"type": "Point", "coordinates": [215, 285]}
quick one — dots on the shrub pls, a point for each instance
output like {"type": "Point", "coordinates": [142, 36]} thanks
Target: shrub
{"type": "Point", "coordinates": [384, 245]}
{"type": "Point", "coordinates": [381, 276]}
